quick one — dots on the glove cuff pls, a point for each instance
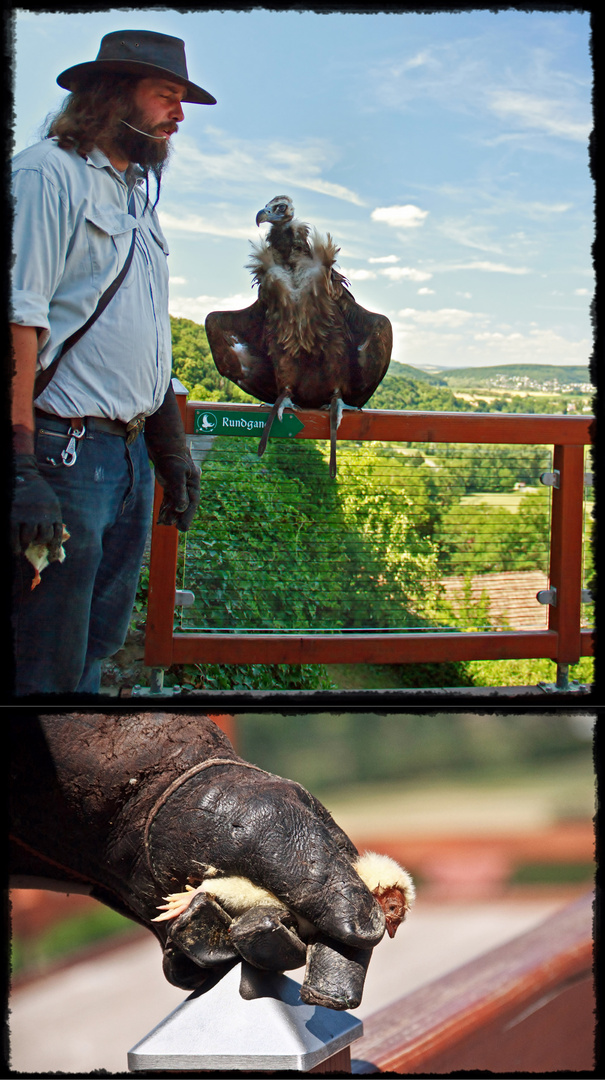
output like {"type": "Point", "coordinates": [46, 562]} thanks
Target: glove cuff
{"type": "Point", "coordinates": [164, 431]}
{"type": "Point", "coordinates": [23, 440]}
{"type": "Point", "coordinates": [156, 873]}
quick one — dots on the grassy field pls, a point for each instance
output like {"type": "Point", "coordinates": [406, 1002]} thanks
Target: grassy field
{"type": "Point", "coordinates": [510, 500]}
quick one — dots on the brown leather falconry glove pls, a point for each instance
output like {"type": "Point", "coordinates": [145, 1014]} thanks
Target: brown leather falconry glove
{"type": "Point", "coordinates": [174, 466]}
{"type": "Point", "coordinates": [133, 807]}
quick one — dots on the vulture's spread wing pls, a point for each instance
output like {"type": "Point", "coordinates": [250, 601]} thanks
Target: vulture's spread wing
{"type": "Point", "coordinates": [236, 343]}
{"type": "Point", "coordinates": [371, 343]}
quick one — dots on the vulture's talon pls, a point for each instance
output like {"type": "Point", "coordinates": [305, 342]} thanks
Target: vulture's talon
{"type": "Point", "coordinates": [287, 403]}
{"type": "Point", "coordinates": [277, 409]}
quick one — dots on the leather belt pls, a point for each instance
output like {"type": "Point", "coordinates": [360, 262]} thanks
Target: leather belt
{"type": "Point", "coordinates": [128, 431]}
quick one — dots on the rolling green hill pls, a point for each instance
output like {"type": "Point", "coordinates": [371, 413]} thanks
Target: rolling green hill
{"type": "Point", "coordinates": [409, 372]}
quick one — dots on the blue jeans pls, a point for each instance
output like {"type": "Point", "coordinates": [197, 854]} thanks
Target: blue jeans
{"type": "Point", "coordinates": [80, 611]}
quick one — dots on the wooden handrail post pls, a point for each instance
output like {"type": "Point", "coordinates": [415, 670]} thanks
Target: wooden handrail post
{"type": "Point", "coordinates": [162, 574]}
{"type": "Point", "coordinates": [566, 552]}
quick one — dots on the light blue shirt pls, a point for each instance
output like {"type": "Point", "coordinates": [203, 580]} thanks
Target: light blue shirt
{"type": "Point", "coordinates": [72, 234]}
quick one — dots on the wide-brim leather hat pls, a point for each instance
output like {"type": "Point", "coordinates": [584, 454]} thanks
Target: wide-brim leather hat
{"type": "Point", "coordinates": [143, 53]}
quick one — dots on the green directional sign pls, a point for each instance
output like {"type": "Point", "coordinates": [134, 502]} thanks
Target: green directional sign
{"type": "Point", "coordinates": [228, 422]}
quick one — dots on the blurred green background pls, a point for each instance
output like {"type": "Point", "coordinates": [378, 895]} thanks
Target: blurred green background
{"type": "Point", "coordinates": [327, 750]}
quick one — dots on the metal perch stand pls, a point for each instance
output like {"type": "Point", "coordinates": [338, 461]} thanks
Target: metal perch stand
{"type": "Point", "coordinates": [271, 1030]}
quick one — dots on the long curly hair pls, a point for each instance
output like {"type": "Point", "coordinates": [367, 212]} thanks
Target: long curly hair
{"type": "Point", "coordinates": [91, 112]}
{"type": "Point", "coordinates": [90, 115]}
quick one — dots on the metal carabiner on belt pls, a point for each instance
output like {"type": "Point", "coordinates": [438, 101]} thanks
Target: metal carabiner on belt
{"type": "Point", "coordinates": [69, 455]}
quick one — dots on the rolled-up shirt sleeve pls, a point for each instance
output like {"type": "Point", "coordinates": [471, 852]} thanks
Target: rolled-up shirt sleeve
{"type": "Point", "coordinates": [41, 237]}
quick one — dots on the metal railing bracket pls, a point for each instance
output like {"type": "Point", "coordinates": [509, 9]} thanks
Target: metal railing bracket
{"type": "Point", "coordinates": [547, 596]}
{"type": "Point", "coordinates": [184, 598]}
{"type": "Point", "coordinates": [157, 688]}
{"type": "Point", "coordinates": [551, 479]}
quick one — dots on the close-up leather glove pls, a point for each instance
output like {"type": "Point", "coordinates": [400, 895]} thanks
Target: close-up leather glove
{"type": "Point", "coordinates": [174, 467]}
{"type": "Point", "coordinates": [36, 516]}
{"type": "Point", "coordinates": [134, 807]}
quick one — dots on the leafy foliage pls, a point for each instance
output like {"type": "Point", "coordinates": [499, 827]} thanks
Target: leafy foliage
{"type": "Point", "coordinates": [327, 751]}
{"type": "Point", "coordinates": [280, 546]}
{"type": "Point", "coordinates": [493, 467]}
{"type": "Point", "coordinates": [252, 677]}
{"type": "Point", "coordinates": [399, 392]}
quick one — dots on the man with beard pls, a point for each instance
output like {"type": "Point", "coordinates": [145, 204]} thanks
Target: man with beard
{"type": "Point", "coordinates": [92, 360]}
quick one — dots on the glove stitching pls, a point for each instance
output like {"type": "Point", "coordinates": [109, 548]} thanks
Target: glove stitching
{"type": "Point", "coordinates": [173, 787]}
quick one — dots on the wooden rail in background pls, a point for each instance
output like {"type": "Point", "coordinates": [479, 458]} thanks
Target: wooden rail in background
{"type": "Point", "coordinates": [563, 641]}
{"type": "Point", "coordinates": [527, 1006]}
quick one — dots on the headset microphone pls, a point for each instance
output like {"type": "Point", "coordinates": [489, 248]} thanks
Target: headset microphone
{"type": "Point", "coordinates": [159, 138]}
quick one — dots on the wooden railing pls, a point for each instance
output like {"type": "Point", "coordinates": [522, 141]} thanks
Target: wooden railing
{"type": "Point", "coordinates": [562, 641]}
{"type": "Point", "coordinates": [527, 1007]}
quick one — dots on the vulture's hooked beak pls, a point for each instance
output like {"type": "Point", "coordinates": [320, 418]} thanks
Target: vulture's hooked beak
{"type": "Point", "coordinates": [391, 928]}
{"type": "Point", "coordinates": [263, 215]}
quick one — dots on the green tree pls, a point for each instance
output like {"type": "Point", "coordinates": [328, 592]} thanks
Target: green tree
{"type": "Point", "coordinates": [399, 392]}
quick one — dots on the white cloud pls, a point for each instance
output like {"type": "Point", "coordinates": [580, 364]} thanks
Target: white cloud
{"type": "Point", "coordinates": [197, 307]}
{"type": "Point", "coordinates": [359, 275]}
{"type": "Point", "coordinates": [426, 292]}
{"type": "Point", "coordinates": [384, 259]}
{"type": "Point", "coordinates": [196, 223]}
{"type": "Point", "coordinates": [446, 317]}
{"type": "Point", "coordinates": [469, 235]}
{"type": "Point", "coordinates": [420, 344]}
{"type": "Point", "coordinates": [529, 88]}
{"type": "Point", "coordinates": [396, 273]}
{"type": "Point", "coordinates": [544, 114]}
{"type": "Point", "coordinates": [581, 292]}
{"type": "Point", "coordinates": [547, 208]}
{"type": "Point", "coordinates": [229, 161]}
{"type": "Point", "coordinates": [175, 280]}
{"type": "Point", "coordinates": [490, 268]}
{"type": "Point", "coordinates": [407, 217]}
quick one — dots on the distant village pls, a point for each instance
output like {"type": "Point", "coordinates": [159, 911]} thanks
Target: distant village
{"type": "Point", "coordinates": [526, 382]}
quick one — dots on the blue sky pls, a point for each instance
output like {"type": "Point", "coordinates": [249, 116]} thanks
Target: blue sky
{"type": "Point", "coordinates": [446, 153]}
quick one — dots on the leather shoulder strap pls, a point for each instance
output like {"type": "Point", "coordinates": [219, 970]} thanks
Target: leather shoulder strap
{"type": "Point", "coordinates": [44, 377]}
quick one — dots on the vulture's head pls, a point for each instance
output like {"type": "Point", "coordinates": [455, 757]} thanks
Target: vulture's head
{"type": "Point", "coordinates": [278, 211]}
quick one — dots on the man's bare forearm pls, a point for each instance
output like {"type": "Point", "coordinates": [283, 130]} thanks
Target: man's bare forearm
{"type": "Point", "coordinates": [25, 353]}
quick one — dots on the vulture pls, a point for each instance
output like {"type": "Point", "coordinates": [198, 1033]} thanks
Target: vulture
{"type": "Point", "coordinates": [388, 882]}
{"type": "Point", "coordinates": [305, 342]}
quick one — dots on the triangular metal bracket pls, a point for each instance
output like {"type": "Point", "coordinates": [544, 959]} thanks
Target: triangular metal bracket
{"type": "Point", "coordinates": [220, 1030]}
